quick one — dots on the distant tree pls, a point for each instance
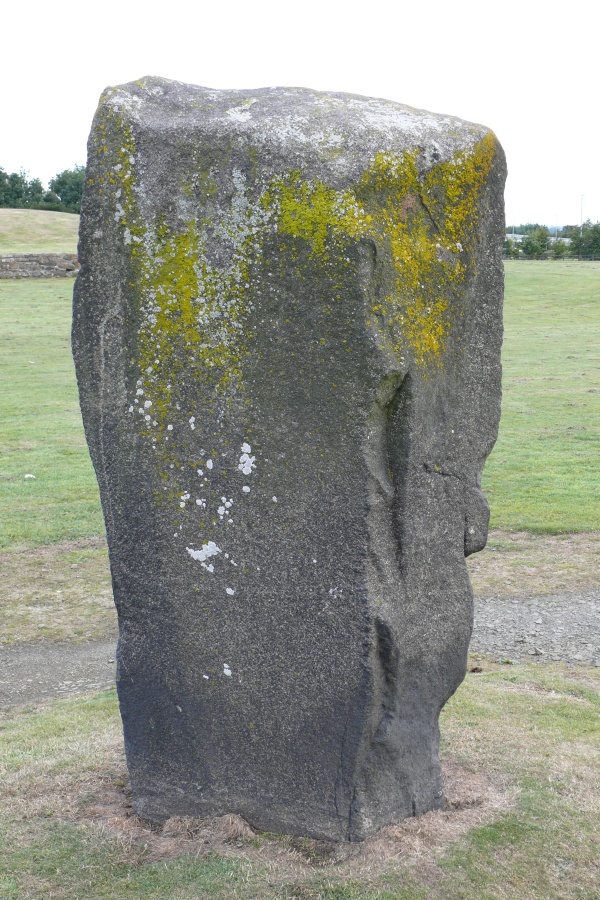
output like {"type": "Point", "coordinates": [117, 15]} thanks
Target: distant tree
{"type": "Point", "coordinates": [34, 192]}
{"type": "Point", "coordinates": [12, 188]}
{"type": "Point", "coordinates": [524, 229]}
{"type": "Point", "coordinates": [68, 185]}
{"type": "Point", "coordinates": [531, 248]}
{"type": "Point", "coordinates": [536, 243]}
{"type": "Point", "coordinates": [511, 249]}
{"type": "Point", "coordinates": [559, 248]}
{"type": "Point", "coordinates": [18, 191]}
{"type": "Point", "coordinates": [585, 242]}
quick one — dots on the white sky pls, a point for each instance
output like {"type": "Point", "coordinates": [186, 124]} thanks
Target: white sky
{"type": "Point", "coordinates": [526, 68]}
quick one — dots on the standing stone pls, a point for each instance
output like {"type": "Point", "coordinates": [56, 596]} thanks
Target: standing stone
{"type": "Point", "coordinates": [287, 331]}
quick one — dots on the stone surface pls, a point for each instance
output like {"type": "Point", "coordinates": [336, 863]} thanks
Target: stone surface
{"type": "Point", "coordinates": [287, 331]}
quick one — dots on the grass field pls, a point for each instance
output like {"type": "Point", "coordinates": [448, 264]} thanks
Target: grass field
{"type": "Point", "coordinates": [37, 231]}
{"type": "Point", "coordinates": [544, 473]}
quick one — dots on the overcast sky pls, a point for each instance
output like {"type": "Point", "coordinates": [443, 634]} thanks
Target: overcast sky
{"type": "Point", "coordinates": [527, 68]}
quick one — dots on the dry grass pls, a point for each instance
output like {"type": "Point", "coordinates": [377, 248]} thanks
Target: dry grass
{"type": "Point", "coordinates": [60, 592]}
{"type": "Point", "coordinates": [37, 231]}
{"type": "Point", "coordinates": [524, 564]}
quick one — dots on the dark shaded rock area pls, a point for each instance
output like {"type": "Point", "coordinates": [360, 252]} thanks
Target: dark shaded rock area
{"type": "Point", "coordinates": [39, 265]}
{"type": "Point", "coordinates": [287, 331]}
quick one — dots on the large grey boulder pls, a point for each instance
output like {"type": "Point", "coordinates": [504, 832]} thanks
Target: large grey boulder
{"type": "Point", "coordinates": [287, 331]}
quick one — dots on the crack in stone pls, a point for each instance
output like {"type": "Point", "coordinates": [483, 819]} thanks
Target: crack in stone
{"type": "Point", "coordinates": [435, 470]}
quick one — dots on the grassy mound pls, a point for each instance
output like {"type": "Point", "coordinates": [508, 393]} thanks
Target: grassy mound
{"type": "Point", "coordinates": [37, 231]}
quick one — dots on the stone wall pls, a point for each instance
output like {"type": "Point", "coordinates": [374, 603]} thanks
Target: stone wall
{"type": "Point", "coordinates": [39, 265]}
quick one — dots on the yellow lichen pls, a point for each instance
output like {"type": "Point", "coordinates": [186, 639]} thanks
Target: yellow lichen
{"type": "Point", "coordinates": [423, 223]}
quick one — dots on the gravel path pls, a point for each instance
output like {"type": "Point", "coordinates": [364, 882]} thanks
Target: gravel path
{"type": "Point", "coordinates": [544, 628]}
{"type": "Point", "coordinates": [40, 671]}
{"type": "Point", "coordinates": [554, 628]}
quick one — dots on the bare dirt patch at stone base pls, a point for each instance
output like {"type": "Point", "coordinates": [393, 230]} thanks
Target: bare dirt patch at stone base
{"type": "Point", "coordinates": [471, 799]}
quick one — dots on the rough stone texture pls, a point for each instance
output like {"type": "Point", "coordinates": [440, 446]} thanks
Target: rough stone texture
{"type": "Point", "coordinates": [39, 265]}
{"type": "Point", "coordinates": [287, 331]}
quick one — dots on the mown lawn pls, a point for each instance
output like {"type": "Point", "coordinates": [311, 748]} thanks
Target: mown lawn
{"type": "Point", "coordinates": [42, 434]}
{"type": "Point", "coordinates": [37, 231]}
{"type": "Point", "coordinates": [544, 473]}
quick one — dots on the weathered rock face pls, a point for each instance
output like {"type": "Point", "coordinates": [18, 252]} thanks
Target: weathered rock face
{"type": "Point", "coordinates": [287, 332]}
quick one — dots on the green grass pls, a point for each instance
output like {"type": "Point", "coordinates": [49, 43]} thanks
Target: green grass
{"type": "Point", "coordinates": [37, 231]}
{"type": "Point", "coordinates": [544, 473]}
{"type": "Point", "coordinates": [42, 433]}
{"type": "Point", "coordinates": [529, 734]}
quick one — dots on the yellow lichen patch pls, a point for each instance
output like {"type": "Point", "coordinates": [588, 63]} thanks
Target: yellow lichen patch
{"type": "Point", "coordinates": [423, 224]}
{"type": "Point", "coordinates": [313, 211]}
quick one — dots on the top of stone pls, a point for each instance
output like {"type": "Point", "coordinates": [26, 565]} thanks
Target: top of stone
{"type": "Point", "coordinates": [334, 123]}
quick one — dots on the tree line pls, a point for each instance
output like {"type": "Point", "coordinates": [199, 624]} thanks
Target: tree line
{"type": "Point", "coordinates": [18, 191]}
{"type": "Point", "coordinates": [572, 241]}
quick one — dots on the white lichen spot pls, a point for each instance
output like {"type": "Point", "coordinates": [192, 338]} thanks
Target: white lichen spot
{"type": "Point", "coordinates": [192, 422]}
{"type": "Point", "coordinates": [169, 428]}
{"type": "Point", "coordinates": [246, 489]}
{"type": "Point", "coordinates": [205, 676]}
{"type": "Point", "coordinates": [230, 591]}
{"type": "Point", "coordinates": [274, 499]}
{"type": "Point", "coordinates": [209, 463]}
{"type": "Point", "coordinates": [200, 501]}
{"type": "Point", "coordinates": [147, 404]}
{"type": "Point", "coordinates": [247, 463]}
{"type": "Point", "coordinates": [208, 550]}
{"type": "Point", "coordinates": [226, 670]}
